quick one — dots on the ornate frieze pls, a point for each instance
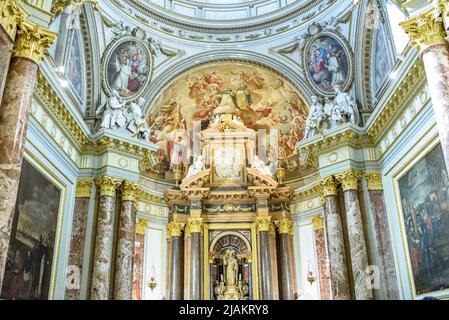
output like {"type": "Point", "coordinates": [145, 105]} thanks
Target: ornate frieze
{"type": "Point", "coordinates": [349, 179]}
{"type": "Point", "coordinates": [33, 41]}
{"type": "Point", "coordinates": [83, 187]}
{"type": "Point", "coordinates": [12, 15]}
{"type": "Point", "coordinates": [174, 229]}
{"type": "Point", "coordinates": [107, 185]}
{"type": "Point", "coordinates": [374, 180]}
{"type": "Point", "coordinates": [426, 30]}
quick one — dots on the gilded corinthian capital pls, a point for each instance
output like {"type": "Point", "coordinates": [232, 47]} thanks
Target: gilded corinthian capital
{"type": "Point", "coordinates": [12, 14]}
{"type": "Point", "coordinates": [107, 185]}
{"type": "Point", "coordinates": [130, 191]}
{"type": "Point", "coordinates": [425, 30]}
{"type": "Point", "coordinates": [285, 226]}
{"type": "Point", "coordinates": [349, 179]}
{"type": "Point", "coordinates": [174, 229]}
{"type": "Point", "coordinates": [263, 224]}
{"type": "Point", "coordinates": [33, 41]}
{"type": "Point", "coordinates": [83, 187]}
{"type": "Point", "coordinates": [328, 186]}
{"type": "Point", "coordinates": [195, 225]}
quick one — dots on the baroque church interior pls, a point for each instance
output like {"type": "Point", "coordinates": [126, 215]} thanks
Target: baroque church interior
{"type": "Point", "coordinates": [224, 149]}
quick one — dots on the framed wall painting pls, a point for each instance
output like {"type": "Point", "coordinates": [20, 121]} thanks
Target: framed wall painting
{"type": "Point", "coordinates": [33, 237]}
{"type": "Point", "coordinates": [423, 191]}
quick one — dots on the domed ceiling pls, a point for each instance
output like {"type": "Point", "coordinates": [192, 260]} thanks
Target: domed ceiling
{"type": "Point", "coordinates": [262, 98]}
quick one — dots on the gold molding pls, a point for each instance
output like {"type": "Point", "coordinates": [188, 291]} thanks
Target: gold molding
{"type": "Point", "coordinates": [328, 186]}
{"type": "Point", "coordinates": [130, 191]}
{"type": "Point", "coordinates": [174, 229]}
{"type": "Point", "coordinates": [33, 41]}
{"type": "Point", "coordinates": [83, 187]}
{"type": "Point", "coordinates": [12, 14]}
{"type": "Point", "coordinates": [318, 223]}
{"type": "Point", "coordinates": [425, 30]}
{"type": "Point", "coordinates": [374, 179]}
{"type": "Point", "coordinates": [399, 98]}
{"type": "Point", "coordinates": [285, 226]}
{"type": "Point", "coordinates": [349, 179]}
{"type": "Point", "coordinates": [107, 185]}
{"type": "Point", "coordinates": [141, 226]}
{"type": "Point", "coordinates": [195, 225]}
{"type": "Point", "coordinates": [60, 6]}
{"type": "Point", "coordinates": [263, 224]}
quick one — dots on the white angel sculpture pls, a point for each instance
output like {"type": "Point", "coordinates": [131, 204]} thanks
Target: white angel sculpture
{"type": "Point", "coordinates": [138, 125]}
{"type": "Point", "coordinates": [315, 118]}
{"type": "Point", "coordinates": [346, 105]}
{"type": "Point", "coordinates": [112, 112]}
{"type": "Point", "coordinates": [196, 167]}
{"type": "Point", "coordinates": [261, 167]}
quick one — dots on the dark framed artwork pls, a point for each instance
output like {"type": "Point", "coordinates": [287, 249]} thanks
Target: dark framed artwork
{"type": "Point", "coordinates": [424, 192]}
{"type": "Point", "coordinates": [30, 254]}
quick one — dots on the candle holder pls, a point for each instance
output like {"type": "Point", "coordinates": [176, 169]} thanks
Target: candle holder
{"type": "Point", "coordinates": [152, 284]}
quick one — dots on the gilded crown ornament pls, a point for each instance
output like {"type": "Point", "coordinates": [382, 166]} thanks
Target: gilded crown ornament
{"type": "Point", "coordinates": [33, 41]}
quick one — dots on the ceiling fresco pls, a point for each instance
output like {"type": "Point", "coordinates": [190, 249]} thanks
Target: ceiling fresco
{"type": "Point", "coordinates": [262, 98]}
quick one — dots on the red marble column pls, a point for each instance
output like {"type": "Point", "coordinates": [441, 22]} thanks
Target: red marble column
{"type": "Point", "coordinates": [322, 259]}
{"type": "Point", "coordinates": [14, 112]}
{"type": "Point", "coordinates": [427, 31]}
{"type": "Point", "coordinates": [138, 260]}
{"type": "Point", "coordinates": [78, 238]}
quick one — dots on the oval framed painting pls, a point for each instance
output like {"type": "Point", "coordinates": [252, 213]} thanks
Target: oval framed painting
{"type": "Point", "coordinates": [328, 61]}
{"type": "Point", "coordinates": [127, 67]}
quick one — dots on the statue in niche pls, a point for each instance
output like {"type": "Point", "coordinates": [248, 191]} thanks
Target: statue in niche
{"type": "Point", "coordinates": [112, 112]}
{"type": "Point", "coordinates": [315, 118]}
{"type": "Point", "coordinates": [231, 265]}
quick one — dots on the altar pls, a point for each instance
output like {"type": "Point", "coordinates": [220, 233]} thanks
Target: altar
{"type": "Point", "coordinates": [230, 230]}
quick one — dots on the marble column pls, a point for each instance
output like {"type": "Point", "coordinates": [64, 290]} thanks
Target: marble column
{"type": "Point", "coordinates": [31, 42]}
{"type": "Point", "coordinates": [138, 259]}
{"type": "Point", "coordinates": [195, 226]}
{"type": "Point", "coordinates": [78, 239]}
{"type": "Point", "coordinates": [101, 274]}
{"type": "Point", "coordinates": [336, 244]}
{"type": "Point", "coordinates": [287, 288]}
{"type": "Point", "coordinates": [12, 15]}
{"type": "Point", "coordinates": [265, 273]}
{"type": "Point", "coordinates": [125, 244]}
{"type": "Point", "coordinates": [388, 279]}
{"type": "Point", "coordinates": [427, 32]}
{"type": "Point", "coordinates": [322, 259]}
{"type": "Point", "coordinates": [174, 231]}
{"type": "Point", "coordinates": [274, 261]}
{"type": "Point", "coordinates": [357, 245]}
